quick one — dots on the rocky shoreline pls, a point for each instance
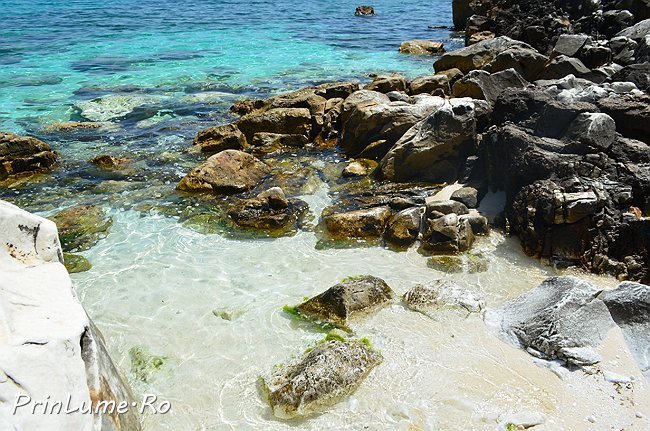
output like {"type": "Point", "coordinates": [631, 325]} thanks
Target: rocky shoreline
{"type": "Point", "coordinates": [548, 106]}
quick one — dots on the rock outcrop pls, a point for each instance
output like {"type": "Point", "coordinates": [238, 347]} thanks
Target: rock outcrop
{"type": "Point", "coordinates": [568, 318]}
{"type": "Point", "coordinates": [53, 352]}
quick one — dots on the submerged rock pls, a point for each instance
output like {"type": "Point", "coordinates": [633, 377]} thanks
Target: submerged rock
{"type": "Point", "coordinates": [114, 106]}
{"type": "Point", "coordinates": [421, 47]}
{"type": "Point", "coordinates": [24, 156]}
{"type": "Point", "coordinates": [359, 168]}
{"type": "Point", "coordinates": [431, 297]}
{"type": "Point", "coordinates": [54, 351]}
{"type": "Point", "coordinates": [108, 162]}
{"type": "Point", "coordinates": [270, 211]}
{"type": "Point", "coordinates": [81, 227]}
{"type": "Point", "coordinates": [76, 263]}
{"type": "Point", "coordinates": [324, 375]}
{"type": "Point", "coordinates": [349, 299]}
{"type": "Point", "coordinates": [227, 172]}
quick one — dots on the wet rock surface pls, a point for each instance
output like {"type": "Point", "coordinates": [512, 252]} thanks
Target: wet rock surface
{"type": "Point", "coordinates": [270, 210]}
{"type": "Point", "coordinates": [432, 297]}
{"type": "Point", "coordinates": [347, 300]}
{"type": "Point", "coordinates": [324, 375]}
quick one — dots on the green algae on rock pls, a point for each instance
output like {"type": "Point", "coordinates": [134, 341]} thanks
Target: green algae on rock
{"type": "Point", "coordinates": [76, 263]}
{"type": "Point", "coordinates": [144, 364]}
{"type": "Point", "coordinates": [346, 300]}
{"type": "Point", "coordinates": [23, 156]}
{"type": "Point", "coordinates": [82, 226]}
{"type": "Point", "coordinates": [325, 374]}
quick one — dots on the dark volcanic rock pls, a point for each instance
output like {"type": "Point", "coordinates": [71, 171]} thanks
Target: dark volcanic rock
{"type": "Point", "coordinates": [479, 84]}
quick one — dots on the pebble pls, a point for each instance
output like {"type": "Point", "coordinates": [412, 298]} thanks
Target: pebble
{"type": "Point", "coordinates": [591, 419]}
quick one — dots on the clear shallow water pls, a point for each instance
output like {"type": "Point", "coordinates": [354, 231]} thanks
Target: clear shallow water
{"type": "Point", "coordinates": [57, 52]}
{"type": "Point", "coordinates": [156, 284]}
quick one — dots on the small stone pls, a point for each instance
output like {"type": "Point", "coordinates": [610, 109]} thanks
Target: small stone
{"type": "Point", "coordinates": [359, 168]}
{"type": "Point", "coordinates": [364, 11]}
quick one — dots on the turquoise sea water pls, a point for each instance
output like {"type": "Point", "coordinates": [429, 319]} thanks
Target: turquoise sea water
{"type": "Point", "coordinates": [55, 53]}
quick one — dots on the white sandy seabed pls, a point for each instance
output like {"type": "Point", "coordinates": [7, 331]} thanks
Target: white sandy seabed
{"type": "Point", "coordinates": [156, 284]}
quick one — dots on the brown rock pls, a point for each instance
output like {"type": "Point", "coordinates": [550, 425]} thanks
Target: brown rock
{"type": "Point", "coordinates": [364, 223]}
{"type": "Point", "coordinates": [422, 47]}
{"type": "Point", "coordinates": [216, 139]}
{"type": "Point", "coordinates": [107, 162]}
{"type": "Point", "coordinates": [24, 155]}
{"type": "Point", "coordinates": [227, 172]}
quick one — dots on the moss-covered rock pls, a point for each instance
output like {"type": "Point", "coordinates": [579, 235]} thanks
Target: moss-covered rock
{"type": "Point", "coordinates": [76, 263]}
{"type": "Point", "coordinates": [349, 299]}
{"type": "Point", "coordinates": [446, 263]}
{"type": "Point", "coordinates": [81, 227]}
{"type": "Point", "coordinates": [325, 374]}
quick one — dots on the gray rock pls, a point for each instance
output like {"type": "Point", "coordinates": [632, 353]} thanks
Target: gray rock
{"type": "Point", "coordinates": [570, 44]}
{"type": "Point", "coordinates": [479, 84]}
{"type": "Point", "coordinates": [324, 375]}
{"type": "Point", "coordinates": [527, 62]}
{"type": "Point", "coordinates": [349, 299]}
{"type": "Point", "coordinates": [636, 32]}
{"type": "Point", "coordinates": [561, 66]}
{"type": "Point", "coordinates": [562, 317]}
{"type": "Point", "coordinates": [478, 55]}
{"type": "Point", "coordinates": [431, 297]}
{"type": "Point", "coordinates": [478, 223]}
{"type": "Point", "coordinates": [594, 129]}
{"type": "Point", "coordinates": [435, 148]}
{"type": "Point", "coordinates": [403, 228]}
{"type": "Point", "coordinates": [629, 306]}
{"type": "Point", "coordinates": [467, 196]}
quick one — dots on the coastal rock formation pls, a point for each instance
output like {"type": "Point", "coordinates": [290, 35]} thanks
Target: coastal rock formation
{"type": "Point", "coordinates": [292, 121]}
{"type": "Point", "coordinates": [324, 375]}
{"type": "Point", "coordinates": [478, 55]}
{"type": "Point", "coordinates": [568, 318]}
{"type": "Point", "coordinates": [269, 210]}
{"type": "Point", "coordinates": [24, 156]}
{"type": "Point", "coordinates": [53, 352]}
{"type": "Point", "coordinates": [479, 84]}
{"type": "Point", "coordinates": [432, 297]}
{"type": "Point", "coordinates": [115, 106]}
{"type": "Point", "coordinates": [371, 123]}
{"type": "Point", "coordinates": [387, 83]}
{"type": "Point", "coordinates": [349, 299]}
{"type": "Point", "coordinates": [434, 149]}
{"type": "Point", "coordinates": [421, 47]}
{"type": "Point", "coordinates": [227, 172]}
{"type": "Point", "coordinates": [403, 228]}
{"type": "Point", "coordinates": [570, 178]}
{"type": "Point", "coordinates": [82, 226]}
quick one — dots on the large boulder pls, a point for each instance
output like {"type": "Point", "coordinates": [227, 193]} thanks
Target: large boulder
{"type": "Point", "coordinates": [387, 83]}
{"type": "Point", "coordinates": [431, 84]}
{"type": "Point", "coordinates": [219, 138]}
{"type": "Point", "coordinates": [82, 226]}
{"type": "Point", "coordinates": [560, 318]}
{"type": "Point", "coordinates": [323, 375]}
{"type": "Point", "coordinates": [349, 299]}
{"type": "Point", "coordinates": [461, 11]}
{"type": "Point", "coordinates": [631, 114]}
{"type": "Point", "coordinates": [421, 47]}
{"type": "Point", "coordinates": [478, 55]}
{"type": "Point", "coordinates": [568, 318]}
{"type": "Point", "coordinates": [54, 352]}
{"type": "Point", "coordinates": [479, 84]}
{"type": "Point", "coordinates": [227, 172]}
{"type": "Point", "coordinates": [447, 234]}
{"type": "Point", "coordinates": [639, 74]}
{"type": "Point", "coordinates": [561, 66]}
{"type": "Point", "coordinates": [527, 62]}
{"type": "Point", "coordinates": [403, 227]}
{"type": "Point", "coordinates": [435, 148]}
{"type": "Point", "coordinates": [371, 123]}
{"type": "Point", "coordinates": [24, 155]}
